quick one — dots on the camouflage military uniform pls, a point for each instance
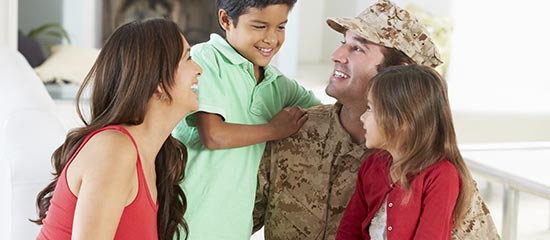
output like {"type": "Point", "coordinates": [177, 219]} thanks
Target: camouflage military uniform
{"type": "Point", "coordinates": [306, 180]}
{"type": "Point", "coordinates": [478, 222]}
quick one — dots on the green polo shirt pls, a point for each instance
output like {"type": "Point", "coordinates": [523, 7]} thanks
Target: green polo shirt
{"type": "Point", "coordinates": [220, 185]}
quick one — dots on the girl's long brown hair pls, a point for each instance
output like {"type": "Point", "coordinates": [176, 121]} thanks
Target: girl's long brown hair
{"type": "Point", "coordinates": [412, 109]}
{"type": "Point", "coordinates": [136, 59]}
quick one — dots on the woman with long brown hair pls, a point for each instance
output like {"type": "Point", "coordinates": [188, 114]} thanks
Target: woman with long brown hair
{"type": "Point", "coordinates": [118, 176]}
{"type": "Point", "coordinates": [417, 186]}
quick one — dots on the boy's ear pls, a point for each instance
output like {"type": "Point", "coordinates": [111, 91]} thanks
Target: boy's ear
{"type": "Point", "coordinates": [160, 94]}
{"type": "Point", "coordinates": [224, 19]}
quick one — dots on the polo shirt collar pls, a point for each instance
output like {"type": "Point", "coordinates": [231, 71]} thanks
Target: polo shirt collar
{"type": "Point", "coordinates": [237, 59]}
{"type": "Point", "coordinates": [227, 50]}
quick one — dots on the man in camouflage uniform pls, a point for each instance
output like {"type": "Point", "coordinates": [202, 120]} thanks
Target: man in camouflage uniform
{"type": "Point", "coordinates": [306, 180]}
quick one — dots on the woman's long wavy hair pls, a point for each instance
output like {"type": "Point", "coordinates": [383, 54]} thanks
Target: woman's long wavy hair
{"type": "Point", "coordinates": [412, 109]}
{"type": "Point", "coordinates": [137, 58]}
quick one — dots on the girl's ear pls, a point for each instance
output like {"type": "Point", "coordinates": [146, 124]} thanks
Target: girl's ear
{"type": "Point", "coordinates": [224, 19]}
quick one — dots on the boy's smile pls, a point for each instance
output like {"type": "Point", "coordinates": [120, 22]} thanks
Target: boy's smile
{"type": "Point", "coordinates": [258, 34]}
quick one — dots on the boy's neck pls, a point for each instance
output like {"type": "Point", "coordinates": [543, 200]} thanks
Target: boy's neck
{"type": "Point", "coordinates": [258, 74]}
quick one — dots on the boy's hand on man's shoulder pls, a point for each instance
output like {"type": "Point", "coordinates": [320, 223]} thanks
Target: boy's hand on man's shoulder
{"type": "Point", "coordinates": [288, 121]}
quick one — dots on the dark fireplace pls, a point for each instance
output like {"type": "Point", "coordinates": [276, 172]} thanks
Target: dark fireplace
{"type": "Point", "coordinates": [197, 18]}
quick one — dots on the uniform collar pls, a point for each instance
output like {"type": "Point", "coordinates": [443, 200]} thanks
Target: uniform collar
{"type": "Point", "coordinates": [357, 151]}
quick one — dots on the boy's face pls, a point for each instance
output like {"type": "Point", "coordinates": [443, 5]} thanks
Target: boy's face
{"type": "Point", "coordinates": [259, 33]}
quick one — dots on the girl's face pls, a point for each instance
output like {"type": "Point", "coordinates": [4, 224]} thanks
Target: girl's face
{"type": "Point", "coordinates": [185, 89]}
{"type": "Point", "coordinates": [373, 136]}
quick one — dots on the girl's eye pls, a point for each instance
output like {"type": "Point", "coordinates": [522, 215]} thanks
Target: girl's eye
{"type": "Point", "coordinates": [343, 42]}
{"type": "Point", "coordinates": [369, 109]}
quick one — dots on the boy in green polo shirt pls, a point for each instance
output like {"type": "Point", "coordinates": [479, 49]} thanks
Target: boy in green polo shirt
{"type": "Point", "coordinates": [243, 102]}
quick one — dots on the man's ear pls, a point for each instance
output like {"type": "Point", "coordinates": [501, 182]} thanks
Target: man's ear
{"type": "Point", "coordinates": [224, 19]}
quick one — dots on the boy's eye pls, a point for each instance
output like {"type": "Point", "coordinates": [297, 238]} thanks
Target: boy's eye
{"type": "Point", "coordinates": [343, 42]}
{"type": "Point", "coordinates": [258, 26]}
{"type": "Point", "coordinates": [282, 27]}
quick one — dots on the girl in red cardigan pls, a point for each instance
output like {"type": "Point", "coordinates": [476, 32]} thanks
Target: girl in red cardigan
{"type": "Point", "coordinates": [417, 186]}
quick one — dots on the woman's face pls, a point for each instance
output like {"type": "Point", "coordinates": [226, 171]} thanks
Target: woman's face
{"type": "Point", "coordinates": [185, 81]}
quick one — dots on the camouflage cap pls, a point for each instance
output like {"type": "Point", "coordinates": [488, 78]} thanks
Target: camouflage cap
{"type": "Point", "coordinates": [386, 24]}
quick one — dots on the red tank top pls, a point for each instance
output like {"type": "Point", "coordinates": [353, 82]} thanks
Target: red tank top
{"type": "Point", "coordinates": [138, 220]}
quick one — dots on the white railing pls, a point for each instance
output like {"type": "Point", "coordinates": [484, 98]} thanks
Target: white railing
{"type": "Point", "coordinates": [517, 166]}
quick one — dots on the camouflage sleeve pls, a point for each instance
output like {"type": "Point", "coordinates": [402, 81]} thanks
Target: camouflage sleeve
{"type": "Point", "coordinates": [262, 190]}
{"type": "Point", "coordinates": [478, 223]}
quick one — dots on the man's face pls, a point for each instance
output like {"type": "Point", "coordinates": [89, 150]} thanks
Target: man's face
{"type": "Point", "coordinates": [355, 64]}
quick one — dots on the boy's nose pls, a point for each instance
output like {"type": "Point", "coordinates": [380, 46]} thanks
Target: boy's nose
{"type": "Point", "coordinates": [270, 38]}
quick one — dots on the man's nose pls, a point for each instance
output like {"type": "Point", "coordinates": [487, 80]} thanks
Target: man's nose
{"type": "Point", "coordinates": [339, 55]}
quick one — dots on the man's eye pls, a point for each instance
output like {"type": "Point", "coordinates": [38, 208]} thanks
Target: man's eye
{"type": "Point", "coordinates": [258, 27]}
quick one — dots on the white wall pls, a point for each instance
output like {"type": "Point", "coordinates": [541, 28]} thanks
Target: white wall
{"type": "Point", "coordinates": [310, 30]}
{"type": "Point", "coordinates": [8, 23]}
{"type": "Point", "coordinates": [35, 13]}
{"type": "Point", "coordinates": [499, 57]}
{"type": "Point", "coordinates": [82, 20]}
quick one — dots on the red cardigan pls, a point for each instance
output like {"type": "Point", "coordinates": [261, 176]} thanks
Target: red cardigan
{"type": "Point", "coordinates": [427, 214]}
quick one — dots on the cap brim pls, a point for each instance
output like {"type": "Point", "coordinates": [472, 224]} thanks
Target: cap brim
{"type": "Point", "coordinates": [339, 24]}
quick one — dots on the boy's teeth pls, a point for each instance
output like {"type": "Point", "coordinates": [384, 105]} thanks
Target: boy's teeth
{"type": "Point", "coordinates": [195, 88]}
{"type": "Point", "coordinates": [266, 50]}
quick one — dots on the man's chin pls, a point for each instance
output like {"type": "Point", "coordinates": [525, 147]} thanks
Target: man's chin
{"type": "Point", "coordinates": [329, 91]}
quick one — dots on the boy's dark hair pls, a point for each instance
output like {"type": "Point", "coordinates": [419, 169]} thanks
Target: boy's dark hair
{"type": "Point", "coordinates": [236, 8]}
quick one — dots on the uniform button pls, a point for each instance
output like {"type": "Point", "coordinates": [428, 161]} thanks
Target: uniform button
{"type": "Point", "coordinates": [390, 204]}
{"type": "Point", "coordinates": [392, 185]}
{"type": "Point", "coordinates": [245, 67]}
{"type": "Point", "coordinates": [390, 228]}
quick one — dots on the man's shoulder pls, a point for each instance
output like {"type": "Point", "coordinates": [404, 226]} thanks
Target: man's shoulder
{"type": "Point", "coordinates": [320, 112]}
{"type": "Point", "coordinates": [313, 131]}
